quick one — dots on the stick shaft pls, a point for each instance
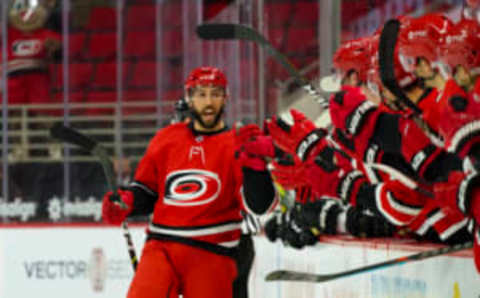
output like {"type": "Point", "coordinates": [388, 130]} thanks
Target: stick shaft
{"type": "Point", "coordinates": [287, 275]}
{"type": "Point", "coordinates": [72, 136]}
{"type": "Point", "coordinates": [242, 32]}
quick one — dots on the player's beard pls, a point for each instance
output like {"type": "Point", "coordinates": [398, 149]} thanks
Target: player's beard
{"type": "Point", "coordinates": [198, 117]}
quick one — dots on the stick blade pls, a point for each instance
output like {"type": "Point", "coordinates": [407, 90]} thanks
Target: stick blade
{"type": "Point", "coordinates": [216, 31]}
{"type": "Point", "coordinates": [386, 59]}
{"type": "Point", "coordinates": [287, 275]}
{"type": "Point", "coordinates": [69, 135]}
{"type": "Point", "coordinates": [387, 44]}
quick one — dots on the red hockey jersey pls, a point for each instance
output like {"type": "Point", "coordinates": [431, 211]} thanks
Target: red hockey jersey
{"type": "Point", "coordinates": [198, 183]}
{"type": "Point", "coordinates": [27, 51]}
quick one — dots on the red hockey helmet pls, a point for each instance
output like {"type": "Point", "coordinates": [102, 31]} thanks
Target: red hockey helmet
{"type": "Point", "coordinates": [206, 75]}
{"type": "Point", "coordinates": [462, 46]}
{"type": "Point", "coordinates": [420, 38]}
{"type": "Point", "coordinates": [354, 55]}
{"type": "Point", "coordinates": [373, 73]}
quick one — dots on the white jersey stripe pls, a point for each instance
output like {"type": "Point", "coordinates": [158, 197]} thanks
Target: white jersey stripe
{"type": "Point", "coordinates": [430, 222]}
{"type": "Point", "coordinates": [196, 232]}
{"type": "Point", "coordinates": [453, 229]}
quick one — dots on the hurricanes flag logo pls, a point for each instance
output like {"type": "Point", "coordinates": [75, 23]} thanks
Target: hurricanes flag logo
{"type": "Point", "coordinates": [191, 187]}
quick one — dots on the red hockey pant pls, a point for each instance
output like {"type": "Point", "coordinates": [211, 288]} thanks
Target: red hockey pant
{"type": "Point", "coordinates": [167, 269]}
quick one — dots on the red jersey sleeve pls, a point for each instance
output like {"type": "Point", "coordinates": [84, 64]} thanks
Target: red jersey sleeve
{"type": "Point", "coordinates": [146, 174]}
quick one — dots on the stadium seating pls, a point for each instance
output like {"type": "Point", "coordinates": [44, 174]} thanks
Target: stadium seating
{"type": "Point", "coordinates": [93, 50]}
{"type": "Point", "coordinates": [103, 18]}
{"type": "Point", "coordinates": [140, 45]}
{"type": "Point", "coordinates": [144, 75]}
{"type": "Point", "coordinates": [102, 46]}
{"type": "Point", "coordinates": [77, 45]}
{"type": "Point", "coordinates": [141, 17]}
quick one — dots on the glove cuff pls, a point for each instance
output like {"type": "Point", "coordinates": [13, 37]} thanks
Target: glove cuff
{"type": "Point", "coordinates": [327, 210]}
{"type": "Point", "coordinates": [308, 143]}
{"type": "Point", "coordinates": [465, 192]}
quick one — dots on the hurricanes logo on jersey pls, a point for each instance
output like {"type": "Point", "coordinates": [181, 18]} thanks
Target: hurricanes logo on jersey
{"type": "Point", "coordinates": [23, 48]}
{"type": "Point", "coordinates": [191, 187]}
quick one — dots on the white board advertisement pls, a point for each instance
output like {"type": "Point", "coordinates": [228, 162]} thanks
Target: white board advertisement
{"type": "Point", "coordinates": [65, 262]}
{"type": "Point", "coordinates": [92, 261]}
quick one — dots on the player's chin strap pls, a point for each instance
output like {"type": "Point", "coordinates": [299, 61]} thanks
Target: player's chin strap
{"type": "Point", "coordinates": [72, 136]}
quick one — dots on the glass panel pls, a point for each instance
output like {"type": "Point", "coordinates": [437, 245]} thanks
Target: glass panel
{"type": "Point", "coordinates": [120, 69]}
{"type": "Point", "coordinates": [31, 43]}
{"type": "Point", "coordinates": [88, 88]}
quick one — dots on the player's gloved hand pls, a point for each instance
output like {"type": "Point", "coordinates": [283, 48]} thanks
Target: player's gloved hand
{"type": "Point", "coordinates": [252, 147]}
{"type": "Point", "coordinates": [282, 226]}
{"type": "Point", "coordinates": [261, 146]}
{"type": "Point", "coordinates": [360, 224]}
{"type": "Point", "coordinates": [289, 171]}
{"type": "Point", "coordinates": [294, 231]}
{"type": "Point", "coordinates": [320, 175]}
{"type": "Point", "coordinates": [114, 212]}
{"type": "Point", "coordinates": [244, 133]}
{"type": "Point", "coordinates": [322, 214]}
{"type": "Point", "coordinates": [299, 138]}
{"type": "Point", "coordinates": [250, 161]}
{"type": "Point", "coordinates": [460, 192]}
{"type": "Point", "coordinates": [272, 227]}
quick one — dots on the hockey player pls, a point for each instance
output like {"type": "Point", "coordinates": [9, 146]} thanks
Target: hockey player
{"type": "Point", "coordinates": [330, 173]}
{"type": "Point", "coordinates": [30, 47]}
{"type": "Point", "coordinates": [368, 133]}
{"type": "Point", "coordinates": [191, 180]}
{"type": "Point", "coordinates": [460, 189]}
{"type": "Point", "coordinates": [400, 205]}
{"type": "Point", "coordinates": [459, 52]}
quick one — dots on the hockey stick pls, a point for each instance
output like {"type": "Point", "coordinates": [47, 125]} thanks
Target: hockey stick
{"type": "Point", "coordinates": [242, 32]}
{"type": "Point", "coordinates": [72, 136]}
{"type": "Point", "coordinates": [287, 275]}
{"type": "Point", "coordinates": [386, 54]}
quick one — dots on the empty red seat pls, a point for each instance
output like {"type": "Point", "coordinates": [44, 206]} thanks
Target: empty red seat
{"type": "Point", "coordinates": [171, 13]}
{"type": "Point", "coordinates": [106, 75]}
{"type": "Point", "coordinates": [300, 39]}
{"type": "Point", "coordinates": [172, 42]}
{"type": "Point", "coordinates": [79, 75]}
{"type": "Point", "coordinates": [141, 17]}
{"type": "Point", "coordinates": [76, 45]}
{"type": "Point", "coordinates": [103, 46]}
{"type": "Point", "coordinates": [102, 18]}
{"type": "Point", "coordinates": [248, 70]}
{"type": "Point", "coordinates": [306, 13]}
{"type": "Point", "coordinates": [276, 13]}
{"type": "Point", "coordinates": [175, 76]}
{"type": "Point", "coordinates": [140, 44]}
{"type": "Point", "coordinates": [144, 75]}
